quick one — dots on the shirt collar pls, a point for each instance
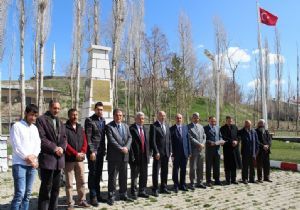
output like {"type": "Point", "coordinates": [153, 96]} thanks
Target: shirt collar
{"type": "Point", "coordinates": [25, 123]}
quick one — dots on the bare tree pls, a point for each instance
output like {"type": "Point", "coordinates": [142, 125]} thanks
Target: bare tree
{"type": "Point", "coordinates": [21, 7]}
{"type": "Point", "coordinates": [118, 20]}
{"type": "Point", "coordinates": [278, 74]}
{"type": "Point", "coordinates": [3, 16]}
{"type": "Point", "coordinates": [44, 17]}
{"type": "Point", "coordinates": [267, 70]}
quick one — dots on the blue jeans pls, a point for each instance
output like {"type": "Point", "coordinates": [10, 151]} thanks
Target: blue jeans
{"type": "Point", "coordinates": [23, 182]}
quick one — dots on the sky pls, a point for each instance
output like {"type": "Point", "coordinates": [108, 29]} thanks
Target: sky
{"type": "Point", "coordinates": [238, 16]}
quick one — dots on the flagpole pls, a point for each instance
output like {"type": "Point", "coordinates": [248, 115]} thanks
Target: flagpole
{"type": "Point", "coordinates": [262, 71]}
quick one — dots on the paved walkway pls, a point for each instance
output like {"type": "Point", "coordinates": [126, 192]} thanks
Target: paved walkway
{"type": "Point", "coordinates": [283, 193]}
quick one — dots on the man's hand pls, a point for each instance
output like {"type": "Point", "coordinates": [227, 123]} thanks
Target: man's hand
{"type": "Point", "coordinates": [124, 150]}
{"type": "Point", "coordinates": [59, 151]}
{"type": "Point", "coordinates": [157, 156]}
{"type": "Point", "coordinates": [234, 143]}
{"type": "Point", "coordinates": [80, 156]}
{"type": "Point", "coordinates": [212, 144]}
{"type": "Point", "coordinates": [93, 156]}
{"type": "Point", "coordinates": [32, 160]}
{"type": "Point", "coordinates": [266, 147]}
{"type": "Point", "coordinates": [202, 146]}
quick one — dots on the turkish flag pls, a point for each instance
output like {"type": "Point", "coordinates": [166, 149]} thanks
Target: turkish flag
{"type": "Point", "coordinates": [267, 17]}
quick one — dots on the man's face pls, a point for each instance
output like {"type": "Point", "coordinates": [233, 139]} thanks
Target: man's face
{"type": "Point", "coordinates": [161, 116]}
{"type": "Point", "coordinates": [229, 121]}
{"type": "Point", "coordinates": [99, 111]}
{"type": "Point", "coordinates": [260, 125]}
{"type": "Point", "coordinates": [195, 119]}
{"type": "Point", "coordinates": [179, 119]}
{"type": "Point", "coordinates": [30, 117]}
{"type": "Point", "coordinates": [140, 120]}
{"type": "Point", "coordinates": [118, 116]}
{"type": "Point", "coordinates": [213, 121]}
{"type": "Point", "coordinates": [54, 109]}
{"type": "Point", "coordinates": [247, 125]}
{"type": "Point", "coordinates": [73, 117]}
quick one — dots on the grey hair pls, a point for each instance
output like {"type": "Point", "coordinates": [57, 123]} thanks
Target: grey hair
{"type": "Point", "coordinates": [261, 121]}
{"type": "Point", "coordinates": [140, 114]}
{"type": "Point", "coordinates": [196, 114]}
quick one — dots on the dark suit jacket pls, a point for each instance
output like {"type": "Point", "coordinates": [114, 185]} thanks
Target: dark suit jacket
{"type": "Point", "coordinates": [264, 139]}
{"type": "Point", "coordinates": [95, 135]}
{"type": "Point", "coordinates": [212, 137]}
{"type": "Point", "coordinates": [136, 155]}
{"type": "Point", "coordinates": [159, 142]}
{"type": "Point", "coordinates": [115, 143]}
{"type": "Point", "coordinates": [178, 140]}
{"type": "Point", "coordinates": [247, 142]}
{"type": "Point", "coordinates": [50, 139]}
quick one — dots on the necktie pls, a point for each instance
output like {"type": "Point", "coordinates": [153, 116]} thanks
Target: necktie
{"type": "Point", "coordinates": [142, 139]}
{"type": "Point", "coordinates": [120, 129]}
{"type": "Point", "coordinates": [180, 131]}
{"type": "Point", "coordinates": [252, 137]}
{"type": "Point", "coordinates": [163, 128]}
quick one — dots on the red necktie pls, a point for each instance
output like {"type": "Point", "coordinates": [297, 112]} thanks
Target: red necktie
{"type": "Point", "coordinates": [142, 139]}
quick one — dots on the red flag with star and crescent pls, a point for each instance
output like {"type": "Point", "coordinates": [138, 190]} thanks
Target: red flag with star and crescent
{"type": "Point", "coordinates": [267, 17]}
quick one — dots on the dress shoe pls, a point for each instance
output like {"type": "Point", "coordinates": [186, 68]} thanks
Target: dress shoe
{"type": "Point", "coordinates": [259, 181]}
{"type": "Point", "coordinates": [155, 193]}
{"type": "Point", "coordinates": [227, 183]}
{"type": "Point", "coordinates": [83, 204]}
{"type": "Point", "coordinates": [201, 186]}
{"type": "Point", "coordinates": [234, 182]}
{"type": "Point", "coordinates": [101, 200]}
{"type": "Point", "coordinates": [253, 182]}
{"type": "Point", "coordinates": [94, 202]}
{"type": "Point", "coordinates": [245, 181]}
{"type": "Point", "coordinates": [110, 201]}
{"type": "Point", "coordinates": [209, 184]}
{"type": "Point", "coordinates": [268, 180]}
{"type": "Point", "coordinates": [183, 189]}
{"type": "Point", "coordinates": [143, 195]}
{"type": "Point", "coordinates": [126, 198]}
{"type": "Point", "coordinates": [192, 187]}
{"type": "Point", "coordinates": [134, 196]}
{"type": "Point", "coordinates": [165, 191]}
{"type": "Point", "coordinates": [218, 183]}
{"type": "Point", "coordinates": [176, 189]}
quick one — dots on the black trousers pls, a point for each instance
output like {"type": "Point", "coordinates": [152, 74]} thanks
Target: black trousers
{"type": "Point", "coordinates": [95, 175]}
{"type": "Point", "coordinates": [49, 189]}
{"type": "Point", "coordinates": [139, 171]}
{"type": "Point", "coordinates": [230, 174]}
{"type": "Point", "coordinates": [179, 163]}
{"type": "Point", "coordinates": [248, 172]}
{"type": "Point", "coordinates": [117, 169]}
{"type": "Point", "coordinates": [212, 161]}
{"type": "Point", "coordinates": [263, 164]}
{"type": "Point", "coordinates": [163, 165]}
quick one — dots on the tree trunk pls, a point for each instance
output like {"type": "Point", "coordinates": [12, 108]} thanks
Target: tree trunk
{"type": "Point", "coordinates": [22, 66]}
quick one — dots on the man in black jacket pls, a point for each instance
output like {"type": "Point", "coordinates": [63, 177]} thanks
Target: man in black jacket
{"type": "Point", "coordinates": [160, 140]}
{"type": "Point", "coordinates": [95, 132]}
{"type": "Point", "coordinates": [232, 159]}
{"type": "Point", "coordinates": [139, 156]}
{"type": "Point", "coordinates": [263, 157]}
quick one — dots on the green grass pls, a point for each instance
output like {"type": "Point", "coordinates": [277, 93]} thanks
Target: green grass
{"type": "Point", "coordinates": [289, 152]}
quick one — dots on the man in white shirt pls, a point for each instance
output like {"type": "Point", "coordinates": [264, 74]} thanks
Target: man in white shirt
{"type": "Point", "coordinates": [26, 145]}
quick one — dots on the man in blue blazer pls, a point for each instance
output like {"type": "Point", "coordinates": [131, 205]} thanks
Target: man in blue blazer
{"type": "Point", "coordinates": [181, 149]}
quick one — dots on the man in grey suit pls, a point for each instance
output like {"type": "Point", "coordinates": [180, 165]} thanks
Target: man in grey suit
{"type": "Point", "coordinates": [197, 138]}
{"type": "Point", "coordinates": [118, 145]}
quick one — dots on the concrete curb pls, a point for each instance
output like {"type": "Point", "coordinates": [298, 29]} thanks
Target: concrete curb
{"type": "Point", "coordinates": [285, 165]}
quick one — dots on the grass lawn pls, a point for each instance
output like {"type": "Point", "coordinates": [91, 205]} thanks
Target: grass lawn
{"type": "Point", "coordinates": [289, 152]}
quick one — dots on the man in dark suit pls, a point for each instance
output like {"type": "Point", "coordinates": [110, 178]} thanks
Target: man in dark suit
{"type": "Point", "coordinates": [197, 138]}
{"type": "Point", "coordinates": [249, 148]}
{"type": "Point", "coordinates": [181, 151]}
{"type": "Point", "coordinates": [139, 156]}
{"type": "Point", "coordinates": [95, 132]}
{"type": "Point", "coordinates": [51, 159]}
{"type": "Point", "coordinates": [161, 145]}
{"type": "Point", "coordinates": [263, 157]}
{"type": "Point", "coordinates": [118, 146]}
{"type": "Point", "coordinates": [232, 159]}
{"type": "Point", "coordinates": [212, 151]}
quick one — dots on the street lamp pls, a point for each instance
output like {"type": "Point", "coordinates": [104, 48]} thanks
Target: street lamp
{"type": "Point", "coordinates": [211, 57]}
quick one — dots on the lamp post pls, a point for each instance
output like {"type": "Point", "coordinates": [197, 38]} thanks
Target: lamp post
{"type": "Point", "coordinates": [216, 71]}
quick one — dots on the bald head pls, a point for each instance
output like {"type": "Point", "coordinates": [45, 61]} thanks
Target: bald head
{"type": "Point", "coordinates": [161, 116]}
{"type": "Point", "coordinates": [178, 119]}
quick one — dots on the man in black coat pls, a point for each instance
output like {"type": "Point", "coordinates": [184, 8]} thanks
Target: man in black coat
{"type": "Point", "coordinates": [139, 156]}
{"type": "Point", "coordinates": [162, 148]}
{"type": "Point", "coordinates": [118, 146]}
{"type": "Point", "coordinates": [263, 157]}
{"type": "Point", "coordinates": [51, 159]}
{"type": "Point", "coordinates": [232, 159]}
{"type": "Point", "coordinates": [95, 133]}
{"type": "Point", "coordinates": [212, 151]}
{"type": "Point", "coordinates": [249, 149]}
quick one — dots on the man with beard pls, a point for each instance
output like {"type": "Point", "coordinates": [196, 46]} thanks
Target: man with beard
{"type": "Point", "coordinates": [232, 160]}
{"type": "Point", "coordinates": [263, 157]}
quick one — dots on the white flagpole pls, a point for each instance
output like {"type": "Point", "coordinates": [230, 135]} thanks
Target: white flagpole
{"type": "Point", "coordinates": [262, 79]}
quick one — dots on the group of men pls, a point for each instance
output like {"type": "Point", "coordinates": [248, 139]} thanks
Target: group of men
{"type": "Point", "coordinates": [53, 146]}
